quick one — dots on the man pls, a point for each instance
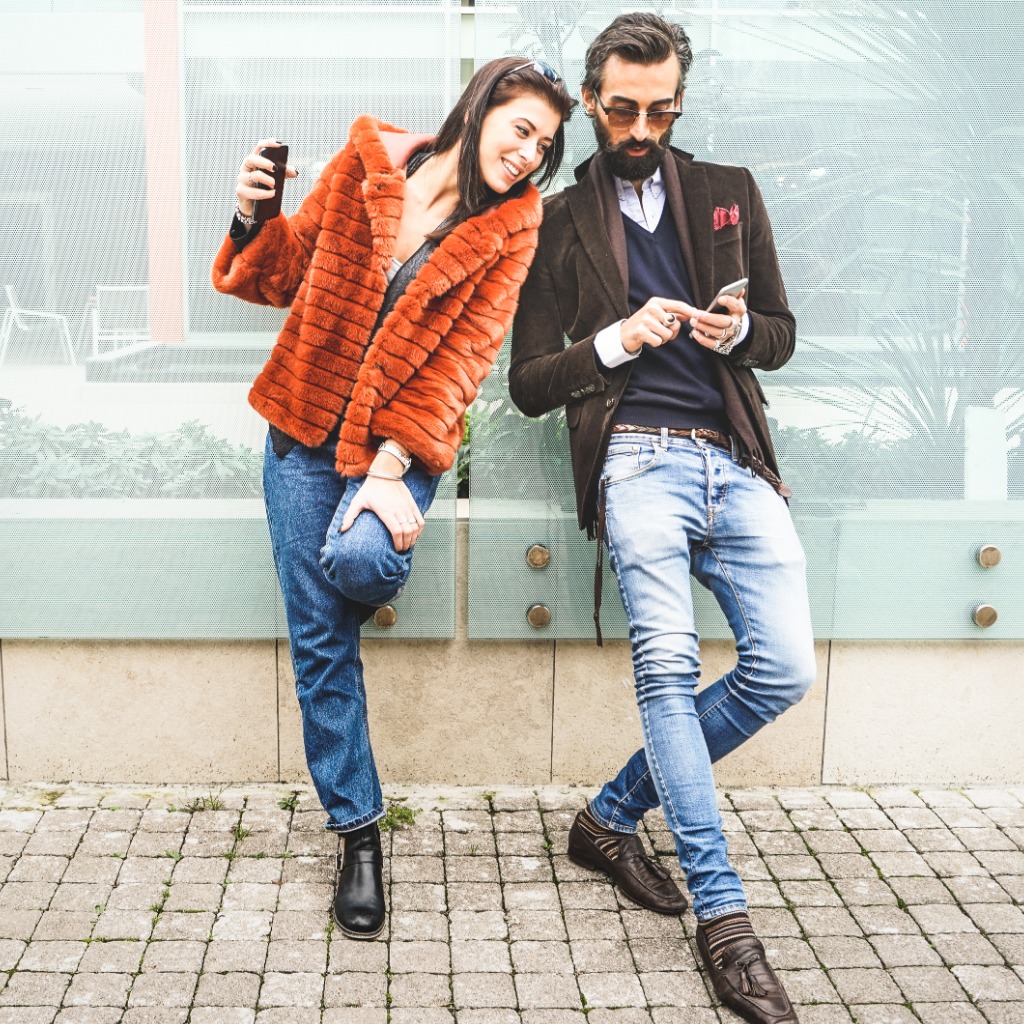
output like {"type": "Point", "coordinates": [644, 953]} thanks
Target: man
{"type": "Point", "coordinates": [673, 465]}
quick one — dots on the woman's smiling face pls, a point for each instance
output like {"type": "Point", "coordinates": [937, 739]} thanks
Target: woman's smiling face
{"type": "Point", "coordinates": [514, 138]}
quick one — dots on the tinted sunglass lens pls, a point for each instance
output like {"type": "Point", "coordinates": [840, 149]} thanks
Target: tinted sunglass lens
{"type": "Point", "coordinates": [621, 118]}
{"type": "Point", "coordinates": [547, 71]}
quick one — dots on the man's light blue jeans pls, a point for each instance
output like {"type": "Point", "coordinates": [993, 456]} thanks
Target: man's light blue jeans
{"type": "Point", "coordinates": [330, 581]}
{"type": "Point", "coordinates": [676, 507]}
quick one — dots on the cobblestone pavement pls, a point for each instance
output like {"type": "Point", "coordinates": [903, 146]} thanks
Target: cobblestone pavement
{"type": "Point", "coordinates": [174, 905]}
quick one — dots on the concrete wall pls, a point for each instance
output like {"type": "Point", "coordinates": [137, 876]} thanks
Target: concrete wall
{"type": "Point", "coordinates": [461, 712]}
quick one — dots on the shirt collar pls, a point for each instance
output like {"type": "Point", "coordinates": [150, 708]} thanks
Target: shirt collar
{"type": "Point", "coordinates": [655, 185]}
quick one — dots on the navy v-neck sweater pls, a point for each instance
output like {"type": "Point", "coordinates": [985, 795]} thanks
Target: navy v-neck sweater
{"type": "Point", "coordinates": [676, 384]}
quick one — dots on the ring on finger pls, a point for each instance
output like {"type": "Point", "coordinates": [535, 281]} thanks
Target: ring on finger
{"type": "Point", "coordinates": [670, 319]}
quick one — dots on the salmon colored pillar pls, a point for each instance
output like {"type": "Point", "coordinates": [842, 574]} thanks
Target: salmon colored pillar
{"type": "Point", "coordinates": [163, 168]}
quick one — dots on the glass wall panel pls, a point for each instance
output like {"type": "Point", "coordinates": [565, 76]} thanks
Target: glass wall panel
{"type": "Point", "coordinates": [886, 139]}
{"type": "Point", "coordinates": [130, 490]}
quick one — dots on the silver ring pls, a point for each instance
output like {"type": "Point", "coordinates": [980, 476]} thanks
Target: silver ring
{"type": "Point", "coordinates": [725, 334]}
{"type": "Point", "coordinates": [670, 319]}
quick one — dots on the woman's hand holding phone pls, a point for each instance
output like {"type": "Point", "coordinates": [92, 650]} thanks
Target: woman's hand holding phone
{"type": "Point", "coordinates": [255, 181]}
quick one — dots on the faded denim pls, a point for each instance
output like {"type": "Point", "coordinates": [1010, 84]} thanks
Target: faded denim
{"type": "Point", "coordinates": [676, 508]}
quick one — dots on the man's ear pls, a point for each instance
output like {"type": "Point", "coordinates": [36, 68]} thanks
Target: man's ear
{"type": "Point", "coordinates": [589, 100]}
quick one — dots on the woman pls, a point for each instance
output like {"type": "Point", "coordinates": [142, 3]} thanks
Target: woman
{"type": "Point", "coordinates": [402, 269]}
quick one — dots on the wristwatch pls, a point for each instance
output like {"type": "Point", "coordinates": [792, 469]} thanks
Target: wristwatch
{"type": "Point", "coordinates": [392, 449]}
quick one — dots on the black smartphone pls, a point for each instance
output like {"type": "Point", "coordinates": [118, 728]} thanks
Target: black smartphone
{"type": "Point", "coordinates": [265, 209]}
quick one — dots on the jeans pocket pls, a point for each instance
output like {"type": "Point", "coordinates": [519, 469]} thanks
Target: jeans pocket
{"type": "Point", "coordinates": [626, 460]}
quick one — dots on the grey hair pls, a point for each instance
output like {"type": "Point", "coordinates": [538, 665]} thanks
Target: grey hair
{"type": "Point", "coordinates": [637, 38]}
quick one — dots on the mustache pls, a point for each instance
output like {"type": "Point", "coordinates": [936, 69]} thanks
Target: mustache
{"type": "Point", "coordinates": [647, 144]}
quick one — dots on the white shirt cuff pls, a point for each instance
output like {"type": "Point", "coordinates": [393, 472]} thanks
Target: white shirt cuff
{"type": "Point", "coordinates": [744, 328]}
{"type": "Point", "coordinates": [608, 345]}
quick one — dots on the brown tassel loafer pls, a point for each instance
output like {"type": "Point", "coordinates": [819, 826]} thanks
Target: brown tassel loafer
{"type": "Point", "coordinates": [746, 983]}
{"type": "Point", "coordinates": [639, 877]}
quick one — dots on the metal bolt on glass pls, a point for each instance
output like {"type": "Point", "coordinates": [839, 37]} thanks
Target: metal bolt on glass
{"type": "Point", "coordinates": [985, 615]}
{"type": "Point", "coordinates": [538, 615]}
{"type": "Point", "coordinates": [537, 556]}
{"type": "Point", "coordinates": [385, 617]}
{"type": "Point", "coordinates": [989, 556]}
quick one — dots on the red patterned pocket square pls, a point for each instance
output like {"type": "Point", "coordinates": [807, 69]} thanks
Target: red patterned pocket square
{"type": "Point", "coordinates": [724, 216]}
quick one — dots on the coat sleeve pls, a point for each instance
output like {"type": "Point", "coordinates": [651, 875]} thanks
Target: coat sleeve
{"type": "Point", "coordinates": [271, 267]}
{"type": "Point", "coordinates": [772, 337]}
{"type": "Point", "coordinates": [545, 372]}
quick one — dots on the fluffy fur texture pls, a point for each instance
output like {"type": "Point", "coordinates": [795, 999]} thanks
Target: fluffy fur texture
{"type": "Point", "coordinates": [412, 380]}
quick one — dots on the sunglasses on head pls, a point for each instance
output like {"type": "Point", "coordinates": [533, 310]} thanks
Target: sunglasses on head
{"type": "Point", "coordinates": [540, 67]}
{"type": "Point", "coordinates": [623, 117]}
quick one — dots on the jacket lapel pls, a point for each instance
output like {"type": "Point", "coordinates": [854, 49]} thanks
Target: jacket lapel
{"type": "Point", "coordinates": [586, 209]}
{"type": "Point", "coordinates": [689, 198]}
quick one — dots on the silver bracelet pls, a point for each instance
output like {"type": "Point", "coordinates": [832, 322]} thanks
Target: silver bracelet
{"type": "Point", "coordinates": [249, 220]}
{"type": "Point", "coordinates": [392, 449]}
{"type": "Point", "coordinates": [382, 476]}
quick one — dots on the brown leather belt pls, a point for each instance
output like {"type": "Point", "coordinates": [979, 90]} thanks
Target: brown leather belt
{"type": "Point", "coordinates": [715, 437]}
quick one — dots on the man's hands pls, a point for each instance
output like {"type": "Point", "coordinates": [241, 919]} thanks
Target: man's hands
{"type": "Point", "coordinates": [660, 320]}
{"type": "Point", "coordinates": [714, 329]}
{"type": "Point", "coordinates": [390, 501]}
{"type": "Point", "coordinates": [654, 323]}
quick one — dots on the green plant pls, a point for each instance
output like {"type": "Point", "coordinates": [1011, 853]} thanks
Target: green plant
{"type": "Point", "coordinates": [210, 802]}
{"type": "Point", "coordinates": [397, 817]}
{"type": "Point", "coordinates": [241, 833]}
{"type": "Point", "coordinates": [515, 457]}
{"type": "Point", "coordinates": [859, 466]}
{"type": "Point", "coordinates": [89, 460]}
{"type": "Point", "coordinates": [899, 225]}
{"type": "Point", "coordinates": [289, 803]}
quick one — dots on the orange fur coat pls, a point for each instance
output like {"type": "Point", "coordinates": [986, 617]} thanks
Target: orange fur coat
{"type": "Point", "coordinates": [414, 379]}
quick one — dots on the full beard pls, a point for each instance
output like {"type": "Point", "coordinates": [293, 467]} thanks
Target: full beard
{"type": "Point", "coordinates": [631, 168]}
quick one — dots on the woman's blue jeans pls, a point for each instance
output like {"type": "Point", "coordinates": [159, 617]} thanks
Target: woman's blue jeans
{"type": "Point", "coordinates": [328, 580]}
{"type": "Point", "coordinates": [675, 508]}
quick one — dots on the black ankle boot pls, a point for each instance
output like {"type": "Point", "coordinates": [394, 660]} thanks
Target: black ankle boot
{"type": "Point", "coordinates": [359, 897]}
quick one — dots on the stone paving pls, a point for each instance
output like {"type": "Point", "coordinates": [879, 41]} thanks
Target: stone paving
{"type": "Point", "coordinates": [175, 905]}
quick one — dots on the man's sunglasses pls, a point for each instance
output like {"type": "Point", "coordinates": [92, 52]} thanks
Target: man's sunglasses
{"type": "Point", "coordinates": [623, 117]}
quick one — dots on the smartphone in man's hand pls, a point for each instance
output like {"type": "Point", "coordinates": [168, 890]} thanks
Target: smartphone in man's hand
{"type": "Point", "coordinates": [265, 209]}
{"type": "Point", "coordinates": [736, 289]}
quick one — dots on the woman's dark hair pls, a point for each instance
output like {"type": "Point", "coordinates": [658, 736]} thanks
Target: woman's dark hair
{"type": "Point", "coordinates": [637, 38]}
{"type": "Point", "coordinates": [495, 84]}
